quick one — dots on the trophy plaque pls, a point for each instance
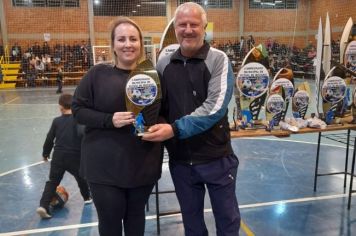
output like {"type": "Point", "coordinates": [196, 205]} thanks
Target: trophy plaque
{"type": "Point", "coordinates": [350, 57]}
{"type": "Point", "coordinates": [288, 87]}
{"type": "Point", "coordinates": [252, 82]}
{"type": "Point", "coordinates": [333, 92]}
{"type": "Point", "coordinates": [142, 91]}
{"type": "Point", "coordinates": [300, 104]}
{"type": "Point", "coordinates": [353, 107]}
{"type": "Point", "coordinates": [168, 42]}
{"type": "Point", "coordinates": [275, 104]}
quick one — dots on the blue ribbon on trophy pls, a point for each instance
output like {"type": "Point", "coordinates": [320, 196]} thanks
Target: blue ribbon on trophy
{"type": "Point", "coordinates": [275, 105]}
{"type": "Point", "coordinates": [143, 90]}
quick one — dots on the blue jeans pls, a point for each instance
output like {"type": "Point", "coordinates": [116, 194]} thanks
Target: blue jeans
{"type": "Point", "coordinates": [219, 177]}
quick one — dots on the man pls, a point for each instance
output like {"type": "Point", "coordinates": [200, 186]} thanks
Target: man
{"type": "Point", "coordinates": [197, 85]}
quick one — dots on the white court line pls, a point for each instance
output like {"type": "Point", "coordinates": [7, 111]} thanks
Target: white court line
{"type": "Point", "coordinates": [32, 104]}
{"type": "Point", "coordinates": [263, 204]}
{"type": "Point", "coordinates": [58, 228]}
{"type": "Point", "coordinates": [29, 118]}
{"type": "Point", "coordinates": [21, 168]}
{"type": "Point", "coordinates": [256, 205]}
{"type": "Point", "coordinates": [14, 99]}
{"type": "Point", "coordinates": [38, 89]}
{"type": "Point", "coordinates": [295, 141]}
{"type": "Point", "coordinates": [298, 141]}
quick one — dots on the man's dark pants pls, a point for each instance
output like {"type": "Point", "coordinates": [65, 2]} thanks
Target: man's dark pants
{"type": "Point", "coordinates": [219, 176]}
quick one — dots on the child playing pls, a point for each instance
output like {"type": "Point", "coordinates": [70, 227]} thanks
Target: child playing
{"type": "Point", "coordinates": [65, 138]}
{"type": "Point", "coordinates": [59, 80]}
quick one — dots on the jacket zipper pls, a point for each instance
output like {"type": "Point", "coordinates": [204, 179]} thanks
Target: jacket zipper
{"type": "Point", "coordinates": [190, 156]}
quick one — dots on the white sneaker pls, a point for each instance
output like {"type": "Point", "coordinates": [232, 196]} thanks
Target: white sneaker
{"type": "Point", "coordinates": [44, 214]}
{"type": "Point", "coordinates": [88, 201]}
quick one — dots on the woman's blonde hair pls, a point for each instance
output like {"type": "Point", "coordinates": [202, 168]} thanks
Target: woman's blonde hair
{"type": "Point", "coordinates": [115, 23]}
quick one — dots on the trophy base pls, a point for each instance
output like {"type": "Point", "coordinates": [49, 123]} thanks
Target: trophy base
{"type": "Point", "coordinates": [140, 134]}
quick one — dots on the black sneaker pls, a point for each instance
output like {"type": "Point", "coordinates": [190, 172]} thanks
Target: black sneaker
{"type": "Point", "coordinates": [43, 212]}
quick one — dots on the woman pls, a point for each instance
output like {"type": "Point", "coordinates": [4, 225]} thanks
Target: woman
{"type": "Point", "coordinates": [121, 168]}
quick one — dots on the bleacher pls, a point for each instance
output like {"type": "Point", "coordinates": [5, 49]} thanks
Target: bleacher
{"type": "Point", "coordinates": [69, 78]}
{"type": "Point", "coordinates": [9, 72]}
{"type": "Point", "coordinates": [13, 77]}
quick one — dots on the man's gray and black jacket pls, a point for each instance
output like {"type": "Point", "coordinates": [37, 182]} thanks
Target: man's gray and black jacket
{"type": "Point", "coordinates": [196, 92]}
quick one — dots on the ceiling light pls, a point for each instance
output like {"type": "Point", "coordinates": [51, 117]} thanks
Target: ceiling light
{"type": "Point", "coordinates": [268, 3]}
{"type": "Point", "coordinates": [153, 3]}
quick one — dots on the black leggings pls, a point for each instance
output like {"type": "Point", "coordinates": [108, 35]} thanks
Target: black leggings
{"type": "Point", "coordinates": [120, 206]}
{"type": "Point", "coordinates": [61, 163]}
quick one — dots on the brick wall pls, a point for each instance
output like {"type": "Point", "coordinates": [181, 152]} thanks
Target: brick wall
{"type": "Point", "coordinates": [339, 13]}
{"type": "Point", "coordinates": [296, 26]}
{"type": "Point", "coordinates": [27, 25]}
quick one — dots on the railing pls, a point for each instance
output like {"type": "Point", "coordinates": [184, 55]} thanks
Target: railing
{"type": "Point", "coordinates": [5, 59]}
{"type": "Point", "coordinates": [7, 55]}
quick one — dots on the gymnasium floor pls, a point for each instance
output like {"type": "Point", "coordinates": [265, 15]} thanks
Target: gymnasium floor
{"type": "Point", "coordinates": [274, 183]}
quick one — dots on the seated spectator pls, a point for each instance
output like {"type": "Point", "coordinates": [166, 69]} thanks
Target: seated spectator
{"type": "Point", "coordinates": [16, 53]}
{"type": "Point", "coordinates": [29, 51]}
{"type": "Point", "coordinates": [31, 77]}
{"type": "Point", "coordinates": [230, 52]}
{"type": "Point", "coordinates": [36, 49]}
{"type": "Point", "coordinates": [276, 47]}
{"type": "Point", "coordinates": [283, 49]}
{"type": "Point", "coordinates": [69, 64]}
{"type": "Point", "coordinates": [25, 64]}
{"type": "Point", "coordinates": [273, 65]}
{"type": "Point", "coordinates": [33, 60]}
{"type": "Point", "coordinates": [76, 51]}
{"type": "Point", "coordinates": [57, 56]}
{"type": "Point", "coordinates": [213, 44]}
{"type": "Point", "coordinates": [311, 53]}
{"type": "Point", "coordinates": [40, 70]}
{"type": "Point", "coordinates": [66, 49]}
{"type": "Point", "coordinates": [269, 44]}
{"type": "Point", "coordinates": [242, 47]}
{"type": "Point", "coordinates": [250, 42]}
{"type": "Point", "coordinates": [46, 60]}
{"type": "Point", "coordinates": [84, 50]}
{"type": "Point", "coordinates": [46, 49]}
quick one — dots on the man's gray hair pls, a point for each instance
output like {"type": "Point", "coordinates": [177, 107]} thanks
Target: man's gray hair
{"type": "Point", "coordinates": [190, 5]}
